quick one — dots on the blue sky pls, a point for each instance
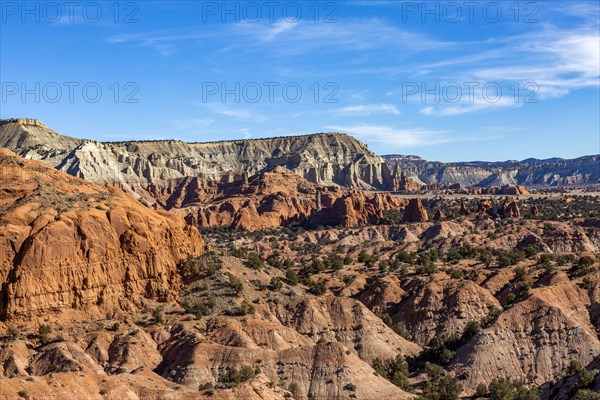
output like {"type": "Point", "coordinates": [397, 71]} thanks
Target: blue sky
{"type": "Point", "coordinates": [388, 73]}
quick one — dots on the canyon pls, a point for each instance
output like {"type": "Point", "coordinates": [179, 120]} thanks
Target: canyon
{"type": "Point", "coordinates": [291, 268]}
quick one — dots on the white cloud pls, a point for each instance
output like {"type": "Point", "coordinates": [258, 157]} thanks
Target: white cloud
{"type": "Point", "coordinates": [245, 133]}
{"type": "Point", "coordinates": [278, 28]}
{"type": "Point", "coordinates": [395, 138]}
{"type": "Point", "coordinates": [427, 110]}
{"type": "Point", "coordinates": [238, 113]}
{"type": "Point", "coordinates": [467, 106]}
{"type": "Point", "coordinates": [367, 109]}
{"type": "Point", "coordinates": [285, 38]}
{"type": "Point", "coordinates": [193, 123]}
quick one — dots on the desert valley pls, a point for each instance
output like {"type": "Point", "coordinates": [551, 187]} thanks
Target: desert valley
{"type": "Point", "coordinates": [296, 267]}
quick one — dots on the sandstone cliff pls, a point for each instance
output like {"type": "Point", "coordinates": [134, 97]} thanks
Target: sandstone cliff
{"type": "Point", "coordinates": [531, 172]}
{"type": "Point", "coordinates": [277, 198]}
{"type": "Point", "coordinates": [143, 167]}
{"type": "Point", "coordinates": [68, 246]}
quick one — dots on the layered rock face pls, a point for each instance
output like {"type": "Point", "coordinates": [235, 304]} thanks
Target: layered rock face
{"type": "Point", "coordinates": [415, 212]}
{"type": "Point", "coordinates": [151, 167]}
{"type": "Point", "coordinates": [537, 338]}
{"type": "Point", "coordinates": [552, 172]}
{"type": "Point", "coordinates": [278, 198]}
{"type": "Point", "coordinates": [73, 248]}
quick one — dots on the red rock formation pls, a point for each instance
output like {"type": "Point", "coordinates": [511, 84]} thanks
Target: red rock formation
{"type": "Point", "coordinates": [403, 183]}
{"type": "Point", "coordinates": [279, 198]}
{"type": "Point", "coordinates": [439, 214]}
{"type": "Point", "coordinates": [537, 337]}
{"type": "Point", "coordinates": [535, 211]}
{"type": "Point", "coordinates": [512, 190]}
{"type": "Point", "coordinates": [510, 209]}
{"type": "Point", "coordinates": [67, 244]}
{"type": "Point", "coordinates": [463, 208]}
{"type": "Point", "coordinates": [485, 206]}
{"type": "Point", "coordinates": [415, 212]}
{"type": "Point", "coordinates": [356, 208]}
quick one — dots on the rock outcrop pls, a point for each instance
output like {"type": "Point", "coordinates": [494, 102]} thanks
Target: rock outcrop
{"type": "Point", "coordinates": [415, 212]}
{"type": "Point", "coordinates": [531, 172]}
{"type": "Point", "coordinates": [146, 167]}
{"type": "Point", "coordinates": [279, 198]}
{"type": "Point", "coordinates": [535, 338]}
{"type": "Point", "coordinates": [510, 209]}
{"type": "Point", "coordinates": [68, 246]}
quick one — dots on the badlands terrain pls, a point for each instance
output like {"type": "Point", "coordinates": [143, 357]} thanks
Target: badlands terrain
{"type": "Point", "coordinates": [302, 267]}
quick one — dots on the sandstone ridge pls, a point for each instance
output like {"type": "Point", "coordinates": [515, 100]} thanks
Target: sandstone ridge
{"type": "Point", "coordinates": [73, 248]}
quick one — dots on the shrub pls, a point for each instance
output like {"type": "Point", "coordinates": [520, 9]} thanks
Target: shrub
{"type": "Point", "coordinates": [401, 329]}
{"type": "Point", "coordinates": [245, 308]}
{"type": "Point", "coordinates": [363, 257]}
{"type": "Point", "coordinates": [157, 315]}
{"type": "Point", "coordinates": [350, 387]}
{"type": "Point", "coordinates": [334, 262]}
{"type": "Point", "coordinates": [291, 277]}
{"type": "Point", "coordinates": [471, 329]}
{"type": "Point", "coordinates": [575, 366]}
{"type": "Point", "coordinates": [205, 307]}
{"type": "Point", "coordinates": [587, 395]}
{"type": "Point", "coordinates": [235, 376]}
{"type": "Point", "coordinates": [441, 349]}
{"type": "Point", "coordinates": [43, 332]}
{"type": "Point", "coordinates": [440, 385]}
{"type": "Point", "coordinates": [493, 313]}
{"type": "Point", "coordinates": [510, 298]}
{"type": "Point", "coordinates": [584, 266]}
{"type": "Point", "coordinates": [481, 390]}
{"type": "Point", "coordinates": [405, 257]}
{"type": "Point", "coordinates": [115, 327]}
{"type": "Point", "coordinates": [531, 250]}
{"type": "Point", "coordinates": [275, 284]}
{"type": "Point", "coordinates": [520, 273]}
{"type": "Point", "coordinates": [505, 389]}
{"type": "Point", "coordinates": [457, 274]}
{"type": "Point", "coordinates": [585, 379]}
{"type": "Point", "coordinates": [316, 288]}
{"type": "Point", "coordinates": [12, 332]}
{"type": "Point", "coordinates": [294, 388]}
{"type": "Point", "coordinates": [394, 370]}
{"type": "Point", "coordinates": [24, 394]}
{"type": "Point", "coordinates": [348, 260]}
{"type": "Point", "coordinates": [428, 269]}
{"type": "Point", "coordinates": [255, 261]}
{"type": "Point", "coordinates": [235, 284]}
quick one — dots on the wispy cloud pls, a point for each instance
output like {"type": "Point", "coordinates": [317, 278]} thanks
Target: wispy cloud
{"type": "Point", "coordinates": [285, 38]}
{"type": "Point", "coordinates": [237, 113]}
{"type": "Point", "coordinates": [278, 28]}
{"type": "Point", "coordinates": [394, 138]}
{"type": "Point", "coordinates": [464, 107]}
{"type": "Point", "coordinates": [367, 109]}
{"type": "Point", "coordinates": [193, 123]}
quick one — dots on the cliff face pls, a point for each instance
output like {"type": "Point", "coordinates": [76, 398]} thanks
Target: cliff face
{"type": "Point", "coordinates": [277, 198]}
{"type": "Point", "coordinates": [552, 172]}
{"type": "Point", "coordinates": [71, 247]}
{"type": "Point", "coordinates": [143, 168]}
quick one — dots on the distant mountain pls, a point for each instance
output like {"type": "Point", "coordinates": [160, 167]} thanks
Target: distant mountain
{"type": "Point", "coordinates": [530, 172]}
{"type": "Point", "coordinates": [149, 168]}
{"type": "Point", "coordinates": [154, 169]}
